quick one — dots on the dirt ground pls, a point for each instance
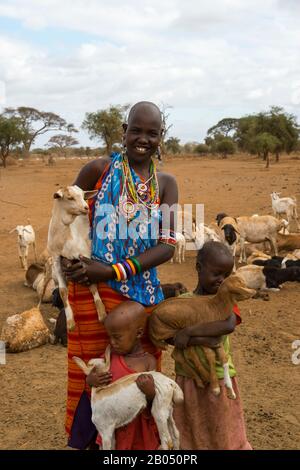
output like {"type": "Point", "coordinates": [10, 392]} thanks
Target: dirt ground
{"type": "Point", "coordinates": [33, 384]}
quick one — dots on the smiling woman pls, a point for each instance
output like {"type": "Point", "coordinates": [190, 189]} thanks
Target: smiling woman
{"type": "Point", "coordinates": [125, 250]}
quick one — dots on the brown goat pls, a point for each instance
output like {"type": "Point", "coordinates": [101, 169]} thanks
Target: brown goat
{"type": "Point", "coordinates": [177, 313]}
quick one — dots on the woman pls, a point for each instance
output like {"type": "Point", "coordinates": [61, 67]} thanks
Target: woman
{"type": "Point", "coordinates": [131, 235]}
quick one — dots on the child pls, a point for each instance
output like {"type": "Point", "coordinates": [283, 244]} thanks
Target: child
{"type": "Point", "coordinates": [125, 327]}
{"type": "Point", "coordinates": [206, 421]}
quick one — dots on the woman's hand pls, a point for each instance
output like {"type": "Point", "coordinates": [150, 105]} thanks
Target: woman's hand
{"type": "Point", "coordinates": [98, 379]}
{"type": "Point", "coordinates": [86, 271]}
{"type": "Point", "coordinates": [145, 383]}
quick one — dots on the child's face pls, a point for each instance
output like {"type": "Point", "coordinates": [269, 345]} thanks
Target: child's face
{"type": "Point", "coordinates": [123, 339]}
{"type": "Point", "coordinates": [212, 273]}
{"type": "Point", "coordinates": [142, 134]}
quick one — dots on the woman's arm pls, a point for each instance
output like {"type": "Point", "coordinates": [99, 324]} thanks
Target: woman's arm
{"type": "Point", "coordinates": [91, 172]}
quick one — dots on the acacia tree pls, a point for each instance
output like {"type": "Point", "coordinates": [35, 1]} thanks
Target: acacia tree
{"type": "Point", "coordinates": [10, 135]}
{"type": "Point", "coordinates": [62, 142]}
{"type": "Point", "coordinates": [265, 144]}
{"type": "Point", "coordinates": [34, 123]}
{"type": "Point", "coordinates": [172, 145]}
{"type": "Point", "coordinates": [225, 146]}
{"type": "Point", "coordinates": [106, 125]}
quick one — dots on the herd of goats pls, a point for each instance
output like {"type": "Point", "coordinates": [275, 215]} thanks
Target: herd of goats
{"type": "Point", "coordinates": [257, 240]}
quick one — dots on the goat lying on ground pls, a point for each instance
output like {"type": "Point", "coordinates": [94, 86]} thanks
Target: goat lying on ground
{"type": "Point", "coordinates": [25, 331]}
{"type": "Point", "coordinates": [267, 277]}
{"type": "Point", "coordinates": [257, 255]}
{"type": "Point", "coordinates": [173, 290]}
{"type": "Point", "coordinates": [256, 229]}
{"type": "Point", "coordinates": [26, 238]}
{"type": "Point", "coordinates": [172, 315]}
{"type": "Point", "coordinates": [288, 242]}
{"type": "Point", "coordinates": [35, 278]}
{"type": "Point", "coordinates": [68, 236]}
{"type": "Point", "coordinates": [118, 403]}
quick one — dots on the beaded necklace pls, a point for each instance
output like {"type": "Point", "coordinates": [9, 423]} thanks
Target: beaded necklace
{"type": "Point", "coordinates": [134, 194]}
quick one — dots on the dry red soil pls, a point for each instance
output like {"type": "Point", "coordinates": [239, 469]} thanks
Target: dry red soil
{"type": "Point", "coordinates": [33, 383]}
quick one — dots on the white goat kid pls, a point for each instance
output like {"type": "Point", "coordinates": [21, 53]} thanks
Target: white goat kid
{"type": "Point", "coordinates": [68, 236]}
{"type": "Point", "coordinates": [26, 237]}
{"type": "Point", "coordinates": [118, 403]}
{"type": "Point", "coordinates": [285, 205]}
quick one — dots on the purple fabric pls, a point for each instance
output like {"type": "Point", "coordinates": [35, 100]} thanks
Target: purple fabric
{"type": "Point", "coordinates": [83, 431]}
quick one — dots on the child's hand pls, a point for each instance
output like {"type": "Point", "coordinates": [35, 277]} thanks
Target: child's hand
{"type": "Point", "coordinates": [98, 379]}
{"type": "Point", "coordinates": [146, 385]}
{"type": "Point", "coordinates": [181, 339]}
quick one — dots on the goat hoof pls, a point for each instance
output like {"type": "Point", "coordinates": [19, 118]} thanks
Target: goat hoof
{"type": "Point", "coordinates": [231, 394]}
{"type": "Point", "coordinates": [216, 391]}
{"type": "Point", "coordinates": [71, 325]}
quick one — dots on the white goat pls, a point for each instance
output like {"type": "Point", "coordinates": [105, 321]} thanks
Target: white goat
{"type": "Point", "coordinates": [117, 404]}
{"type": "Point", "coordinates": [68, 236]}
{"type": "Point", "coordinates": [179, 252]}
{"type": "Point", "coordinates": [256, 229]}
{"type": "Point", "coordinates": [26, 237]}
{"type": "Point", "coordinates": [285, 205]}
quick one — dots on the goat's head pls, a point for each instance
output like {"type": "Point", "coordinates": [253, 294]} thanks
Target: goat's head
{"type": "Point", "coordinates": [236, 287]}
{"type": "Point", "coordinates": [73, 199]}
{"type": "Point", "coordinates": [21, 229]}
{"type": "Point", "coordinates": [274, 195]}
{"type": "Point", "coordinates": [102, 365]}
{"type": "Point", "coordinates": [220, 216]}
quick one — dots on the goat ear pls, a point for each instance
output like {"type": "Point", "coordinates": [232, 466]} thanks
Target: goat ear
{"type": "Point", "coordinates": [58, 194]}
{"type": "Point", "coordinates": [13, 230]}
{"type": "Point", "coordinates": [90, 194]}
{"type": "Point", "coordinates": [107, 355]}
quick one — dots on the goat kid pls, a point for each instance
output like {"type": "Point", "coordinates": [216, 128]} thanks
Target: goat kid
{"type": "Point", "coordinates": [177, 313]}
{"type": "Point", "coordinates": [68, 236]}
{"type": "Point", "coordinates": [117, 404]}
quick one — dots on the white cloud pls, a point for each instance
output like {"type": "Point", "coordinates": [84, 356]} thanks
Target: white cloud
{"type": "Point", "coordinates": [222, 58]}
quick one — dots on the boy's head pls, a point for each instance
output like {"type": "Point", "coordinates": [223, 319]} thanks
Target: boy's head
{"type": "Point", "coordinates": [125, 326]}
{"type": "Point", "coordinates": [143, 131]}
{"type": "Point", "coordinates": [214, 264]}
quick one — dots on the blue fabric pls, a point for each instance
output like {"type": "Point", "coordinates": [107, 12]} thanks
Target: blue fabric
{"type": "Point", "coordinates": [114, 239]}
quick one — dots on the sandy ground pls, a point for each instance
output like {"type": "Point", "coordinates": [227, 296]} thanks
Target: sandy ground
{"type": "Point", "coordinates": [33, 384]}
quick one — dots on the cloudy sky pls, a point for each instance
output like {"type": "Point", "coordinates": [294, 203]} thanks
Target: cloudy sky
{"type": "Point", "coordinates": [206, 60]}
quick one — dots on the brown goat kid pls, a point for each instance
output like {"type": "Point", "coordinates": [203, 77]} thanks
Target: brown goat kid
{"type": "Point", "coordinates": [177, 313]}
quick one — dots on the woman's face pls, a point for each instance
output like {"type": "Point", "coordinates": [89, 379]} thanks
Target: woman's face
{"type": "Point", "coordinates": [142, 134]}
{"type": "Point", "coordinates": [212, 273]}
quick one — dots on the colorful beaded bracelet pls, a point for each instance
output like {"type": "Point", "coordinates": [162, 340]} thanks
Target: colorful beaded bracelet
{"type": "Point", "coordinates": [127, 268]}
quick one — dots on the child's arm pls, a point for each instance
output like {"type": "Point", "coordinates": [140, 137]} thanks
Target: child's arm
{"type": "Point", "coordinates": [195, 335]}
{"type": "Point", "coordinates": [96, 379]}
{"type": "Point", "coordinates": [146, 382]}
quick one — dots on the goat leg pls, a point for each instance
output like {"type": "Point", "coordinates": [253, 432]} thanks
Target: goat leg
{"type": "Point", "coordinates": [211, 359]}
{"type": "Point", "coordinates": [227, 379]}
{"type": "Point", "coordinates": [178, 357]}
{"type": "Point", "coordinates": [98, 302]}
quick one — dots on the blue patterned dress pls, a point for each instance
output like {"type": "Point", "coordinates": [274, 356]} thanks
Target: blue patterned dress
{"type": "Point", "coordinates": [114, 238]}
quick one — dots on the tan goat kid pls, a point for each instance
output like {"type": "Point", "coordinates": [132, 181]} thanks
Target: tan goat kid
{"type": "Point", "coordinates": [177, 313]}
{"type": "Point", "coordinates": [68, 236]}
{"type": "Point", "coordinates": [117, 404]}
